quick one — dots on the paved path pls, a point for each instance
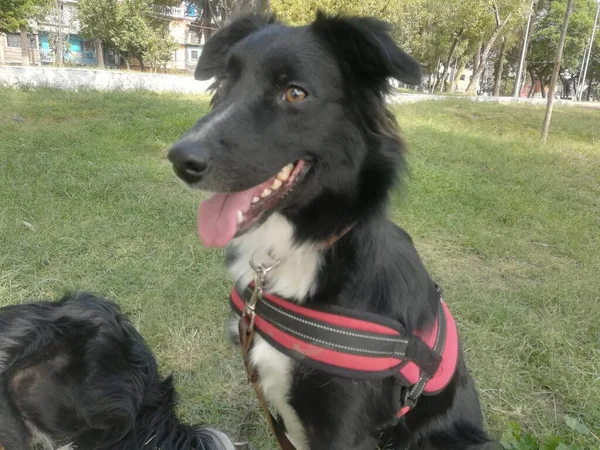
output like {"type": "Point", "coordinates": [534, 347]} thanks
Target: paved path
{"type": "Point", "coordinates": [413, 98]}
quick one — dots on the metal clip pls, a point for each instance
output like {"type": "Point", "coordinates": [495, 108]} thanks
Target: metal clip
{"type": "Point", "coordinates": [261, 272]}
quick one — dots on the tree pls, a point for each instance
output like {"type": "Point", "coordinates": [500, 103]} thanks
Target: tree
{"type": "Point", "coordinates": [557, 61]}
{"type": "Point", "coordinates": [98, 20]}
{"type": "Point", "coordinates": [502, 13]}
{"type": "Point", "coordinates": [214, 14]}
{"type": "Point", "coordinates": [546, 35]}
{"type": "Point", "coordinates": [128, 26]}
{"type": "Point", "coordinates": [16, 15]}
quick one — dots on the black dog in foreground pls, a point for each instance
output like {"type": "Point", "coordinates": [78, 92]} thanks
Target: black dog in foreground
{"type": "Point", "coordinates": [303, 153]}
{"type": "Point", "coordinates": [77, 369]}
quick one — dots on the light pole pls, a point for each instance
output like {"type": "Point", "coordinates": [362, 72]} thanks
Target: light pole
{"type": "Point", "coordinates": [517, 87]}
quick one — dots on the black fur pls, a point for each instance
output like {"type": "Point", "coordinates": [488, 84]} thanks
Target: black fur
{"type": "Point", "coordinates": [77, 369]}
{"type": "Point", "coordinates": [345, 131]}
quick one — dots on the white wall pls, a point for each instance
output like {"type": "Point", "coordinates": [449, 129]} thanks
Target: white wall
{"type": "Point", "coordinates": [72, 79]}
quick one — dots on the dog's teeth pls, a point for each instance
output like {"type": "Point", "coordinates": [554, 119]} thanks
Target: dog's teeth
{"type": "Point", "coordinates": [240, 217]}
{"type": "Point", "coordinates": [266, 193]}
{"type": "Point", "coordinates": [255, 199]}
{"type": "Point", "coordinates": [284, 174]}
{"type": "Point", "coordinates": [276, 184]}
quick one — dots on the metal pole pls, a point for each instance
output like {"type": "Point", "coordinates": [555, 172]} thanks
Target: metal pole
{"type": "Point", "coordinates": [517, 88]}
{"type": "Point", "coordinates": [585, 52]}
{"type": "Point", "coordinates": [589, 53]}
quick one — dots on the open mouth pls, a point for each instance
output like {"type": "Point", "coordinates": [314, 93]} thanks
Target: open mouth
{"type": "Point", "coordinates": [224, 216]}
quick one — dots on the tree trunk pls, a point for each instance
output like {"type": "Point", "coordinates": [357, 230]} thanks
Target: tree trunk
{"type": "Point", "coordinates": [59, 39]}
{"type": "Point", "coordinates": [436, 83]}
{"type": "Point", "coordinates": [126, 61]}
{"type": "Point", "coordinates": [2, 45]}
{"type": "Point", "coordinates": [449, 60]}
{"type": "Point", "coordinates": [24, 46]}
{"type": "Point", "coordinates": [589, 91]}
{"type": "Point", "coordinates": [206, 19]}
{"type": "Point", "coordinates": [477, 57]}
{"type": "Point", "coordinates": [99, 53]}
{"type": "Point", "coordinates": [561, 45]}
{"type": "Point", "coordinates": [484, 56]}
{"type": "Point", "coordinates": [532, 89]}
{"type": "Point", "coordinates": [256, 5]}
{"type": "Point", "coordinates": [437, 77]}
{"type": "Point", "coordinates": [543, 87]}
{"type": "Point", "coordinates": [523, 79]}
{"type": "Point", "coordinates": [459, 72]}
{"type": "Point", "coordinates": [499, 68]}
{"type": "Point", "coordinates": [565, 86]}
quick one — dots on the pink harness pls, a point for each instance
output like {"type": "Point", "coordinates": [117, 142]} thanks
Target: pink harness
{"type": "Point", "coordinates": [362, 345]}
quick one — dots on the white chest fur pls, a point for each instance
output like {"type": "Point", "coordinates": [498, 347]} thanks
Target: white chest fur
{"type": "Point", "coordinates": [293, 278]}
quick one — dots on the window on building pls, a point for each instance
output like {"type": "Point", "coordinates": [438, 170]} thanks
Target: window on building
{"type": "Point", "coordinates": [88, 46]}
{"type": "Point", "coordinates": [13, 40]}
{"type": "Point", "coordinates": [174, 56]}
{"type": "Point", "coordinates": [194, 55]}
{"type": "Point", "coordinates": [462, 78]}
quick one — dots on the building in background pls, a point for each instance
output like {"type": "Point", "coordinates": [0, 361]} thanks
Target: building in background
{"type": "Point", "coordinates": [185, 30]}
{"type": "Point", "coordinates": [62, 24]}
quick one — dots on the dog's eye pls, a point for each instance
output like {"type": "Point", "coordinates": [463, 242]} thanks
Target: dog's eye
{"type": "Point", "coordinates": [294, 94]}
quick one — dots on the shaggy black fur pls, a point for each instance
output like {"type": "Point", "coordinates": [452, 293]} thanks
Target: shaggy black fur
{"type": "Point", "coordinates": [77, 369]}
{"type": "Point", "coordinates": [344, 130]}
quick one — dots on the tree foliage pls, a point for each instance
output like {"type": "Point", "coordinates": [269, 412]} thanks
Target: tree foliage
{"type": "Point", "coordinates": [546, 34]}
{"type": "Point", "coordinates": [16, 14]}
{"type": "Point", "coordinates": [129, 26]}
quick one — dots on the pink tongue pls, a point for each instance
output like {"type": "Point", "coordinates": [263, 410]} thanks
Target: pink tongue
{"type": "Point", "coordinates": [217, 217]}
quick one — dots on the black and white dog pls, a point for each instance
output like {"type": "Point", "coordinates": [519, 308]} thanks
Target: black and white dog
{"type": "Point", "coordinates": [77, 370]}
{"type": "Point", "coordinates": [301, 148]}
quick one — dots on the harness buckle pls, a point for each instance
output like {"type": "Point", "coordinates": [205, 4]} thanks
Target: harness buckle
{"type": "Point", "coordinates": [410, 401]}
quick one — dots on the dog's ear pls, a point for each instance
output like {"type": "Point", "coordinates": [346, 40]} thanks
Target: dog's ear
{"type": "Point", "coordinates": [214, 55]}
{"type": "Point", "coordinates": [365, 49]}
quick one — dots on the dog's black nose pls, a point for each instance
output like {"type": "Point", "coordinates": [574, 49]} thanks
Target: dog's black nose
{"type": "Point", "coordinates": [188, 161]}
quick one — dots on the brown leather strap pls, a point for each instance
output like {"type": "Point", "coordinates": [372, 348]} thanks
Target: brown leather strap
{"type": "Point", "coordinates": [246, 330]}
{"type": "Point", "coordinates": [333, 239]}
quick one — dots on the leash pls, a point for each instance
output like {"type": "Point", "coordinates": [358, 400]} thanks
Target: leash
{"type": "Point", "coordinates": [246, 331]}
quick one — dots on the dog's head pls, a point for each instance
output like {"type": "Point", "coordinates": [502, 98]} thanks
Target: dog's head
{"type": "Point", "coordinates": [299, 125]}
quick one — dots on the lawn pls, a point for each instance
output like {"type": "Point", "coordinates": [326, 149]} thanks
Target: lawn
{"type": "Point", "coordinates": [510, 229]}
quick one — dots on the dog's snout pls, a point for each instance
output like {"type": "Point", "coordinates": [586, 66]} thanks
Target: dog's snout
{"type": "Point", "coordinates": [189, 162]}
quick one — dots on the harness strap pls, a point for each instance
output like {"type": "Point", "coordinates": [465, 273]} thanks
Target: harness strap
{"type": "Point", "coordinates": [416, 390]}
{"type": "Point", "coordinates": [340, 341]}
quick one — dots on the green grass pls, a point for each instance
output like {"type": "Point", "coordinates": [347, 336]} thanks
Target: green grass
{"type": "Point", "coordinates": [510, 229]}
